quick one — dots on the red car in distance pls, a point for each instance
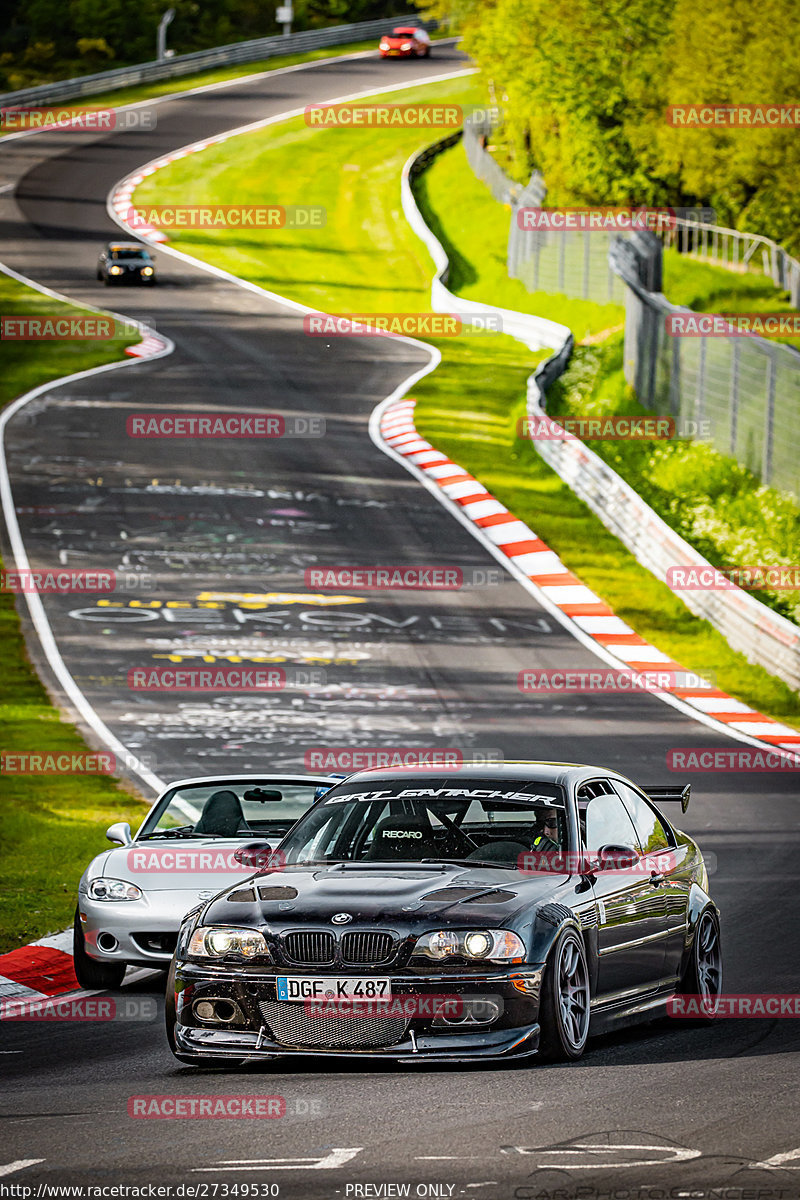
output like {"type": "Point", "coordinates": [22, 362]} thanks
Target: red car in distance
{"type": "Point", "coordinates": [406, 42]}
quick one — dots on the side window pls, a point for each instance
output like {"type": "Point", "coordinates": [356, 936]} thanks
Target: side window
{"type": "Point", "coordinates": [608, 824]}
{"type": "Point", "coordinates": [651, 833]}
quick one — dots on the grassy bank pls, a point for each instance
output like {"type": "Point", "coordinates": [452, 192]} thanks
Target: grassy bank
{"type": "Point", "coordinates": [368, 260]}
{"type": "Point", "coordinates": [50, 826]}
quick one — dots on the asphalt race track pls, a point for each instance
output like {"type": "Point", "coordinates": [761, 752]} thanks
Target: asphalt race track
{"type": "Point", "coordinates": [668, 1106]}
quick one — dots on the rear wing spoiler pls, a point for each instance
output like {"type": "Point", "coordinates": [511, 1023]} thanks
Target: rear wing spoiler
{"type": "Point", "coordinates": [670, 792]}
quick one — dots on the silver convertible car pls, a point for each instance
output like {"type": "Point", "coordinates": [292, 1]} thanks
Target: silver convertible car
{"type": "Point", "coordinates": [200, 836]}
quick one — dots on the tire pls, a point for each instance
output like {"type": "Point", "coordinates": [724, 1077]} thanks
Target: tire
{"type": "Point", "coordinates": [93, 975]}
{"type": "Point", "coordinates": [564, 1010]}
{"type": "Point", "coordinates": [703, 974]}
{"type": "Point", "coordinates": [170, 1020]}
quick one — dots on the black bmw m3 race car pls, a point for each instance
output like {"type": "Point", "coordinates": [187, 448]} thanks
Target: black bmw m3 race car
{"type": "Point", "coordinates": [126, 262]}
{"type": "Point", "coordinates": [487, 912]}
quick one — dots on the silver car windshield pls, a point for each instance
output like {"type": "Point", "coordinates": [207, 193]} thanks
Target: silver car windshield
{"type": "Point", "coordinates": [432, 822]}
{"type": "Point", "coordinates": [230, 808]}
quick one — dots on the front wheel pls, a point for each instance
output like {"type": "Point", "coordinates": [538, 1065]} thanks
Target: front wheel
{"type": "Point", "coordinates": [703, 974]}
{"type": "Point", "coordinates": [564, 1009]}
{"type": "Point", "coordinates": [93, 975]}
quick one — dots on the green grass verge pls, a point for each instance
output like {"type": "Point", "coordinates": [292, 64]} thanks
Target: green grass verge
{"type": "Point", "coordinates": [367, 260]}
{"type": "Point", "coordinates": [675, 477]}
{"type": "Point", "coordinates": [50, 826]}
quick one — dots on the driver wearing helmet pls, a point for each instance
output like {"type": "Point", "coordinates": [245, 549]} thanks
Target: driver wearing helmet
{"type": "Point", "coordinates": [548, 838]}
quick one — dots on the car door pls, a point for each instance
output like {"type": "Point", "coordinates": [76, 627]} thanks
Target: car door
{"type": "Point", "coordinates": [667, 870]}
{"type": "Point", "coordinates": [631, 911]}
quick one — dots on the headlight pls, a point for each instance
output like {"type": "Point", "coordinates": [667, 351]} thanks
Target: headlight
{"type": "Point", "coordinates": [113, 889]}
{"type": "Point", "coordinates": [115, 270]}
{"type": "Point", "coordinates": [495, 945]}
{"type": "Point", "coordinates": [405, 46]}
{"type": "Point", "coordinates": [147, 270]}
{"type": "Point", "coordinates": [214, 941]}
{"type": "Point", "coordinates": [384, 46]}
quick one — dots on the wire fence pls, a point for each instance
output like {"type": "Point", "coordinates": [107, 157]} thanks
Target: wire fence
{"type": "Point", "coordinates": [739, 393]}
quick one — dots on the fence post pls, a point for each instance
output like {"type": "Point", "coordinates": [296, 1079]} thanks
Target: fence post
{"type": "Point", "coordinates": [734, 408]}
{"type": "Point", "coordinates": [769, 417]}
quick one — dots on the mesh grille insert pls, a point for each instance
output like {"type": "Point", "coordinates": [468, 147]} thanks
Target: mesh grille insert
{"type": "Point", "coordinates": [291, 1025]}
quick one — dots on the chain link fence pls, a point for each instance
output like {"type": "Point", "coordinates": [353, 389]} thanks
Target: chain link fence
{"type": "Point", "coordinates": [740, 393]}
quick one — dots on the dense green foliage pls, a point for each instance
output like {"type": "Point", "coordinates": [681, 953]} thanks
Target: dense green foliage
{"type": "Point", "coordinates": [584, 85]}
{"type": "Point", "coordinates": [42, 40]}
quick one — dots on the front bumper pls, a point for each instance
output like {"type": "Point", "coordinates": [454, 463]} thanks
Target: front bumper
{"type": "Point", "coordinates": [136, 932]}
{"type": "Point", "coordinates": [515, 1033]}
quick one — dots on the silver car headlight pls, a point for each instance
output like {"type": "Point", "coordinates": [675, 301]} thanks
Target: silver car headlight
{"type": "Point", "coordinates": [493, 945]}
{"type": "Point", "coordinates": [214, 941]}
{"type": "Point", "coordinates": [113, 889]}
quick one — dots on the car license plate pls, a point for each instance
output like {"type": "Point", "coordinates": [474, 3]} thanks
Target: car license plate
{"type": "Point", "coordinates": [328, 987]}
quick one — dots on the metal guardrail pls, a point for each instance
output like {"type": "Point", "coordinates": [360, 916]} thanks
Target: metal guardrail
{"type": "Point", "coordinates": [736, 250]}
{"type": "Point", "coordinates": [762, 635]}
{"type": "Point", "coordinates": [189, 64]}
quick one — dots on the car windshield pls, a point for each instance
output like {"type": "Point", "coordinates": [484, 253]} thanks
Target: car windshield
{"type": "Point", "coordinates": [231, 808]}
{"type": "Point", "coordinates": [117, 254]}
{"type": "Point", "coordinates": [402, 33]}
{"type": "Point", "coordinates": [431, 820]}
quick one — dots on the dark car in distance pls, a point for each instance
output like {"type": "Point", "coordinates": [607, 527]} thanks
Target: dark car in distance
{"type": "Point", "coordinates": [488, 912]}
{"type": "Point", "coordinates": [126, 262]}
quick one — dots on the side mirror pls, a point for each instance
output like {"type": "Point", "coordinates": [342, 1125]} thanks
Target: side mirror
{"type": "Point", "coordinates": [617, 858]}
{"type": "Point", "coordinates": [120, 833]}
{"type": "Point", "coordinates": [256, 856]}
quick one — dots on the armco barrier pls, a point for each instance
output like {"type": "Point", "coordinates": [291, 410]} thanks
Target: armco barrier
{"type": "Point", "coordinates": [219, 56]}
{"type": "Point", "coordinates": [763, 636]}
